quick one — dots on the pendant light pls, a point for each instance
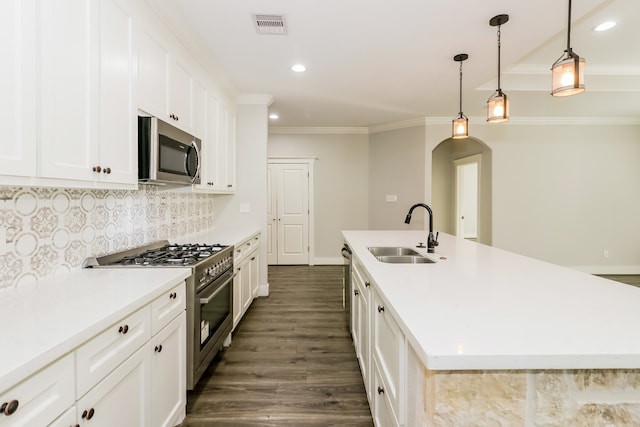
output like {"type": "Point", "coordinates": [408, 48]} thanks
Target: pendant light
{"type": "Point", "coordinates": [460, 128]}
{"type": "Point", "coordinates": [567, 73]}
{"type": "Point", "coordinates": [498, 104]}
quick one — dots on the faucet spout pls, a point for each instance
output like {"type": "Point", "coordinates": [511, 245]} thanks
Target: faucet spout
{"type": "Point", "coordinates": [432, 241]}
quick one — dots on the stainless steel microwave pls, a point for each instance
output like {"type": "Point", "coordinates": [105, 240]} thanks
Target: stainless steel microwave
{"type": "Point", "coordinates": [166, 154]}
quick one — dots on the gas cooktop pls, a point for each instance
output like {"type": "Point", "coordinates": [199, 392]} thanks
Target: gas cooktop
{"type": "Point", "coordinates": [158, 254]}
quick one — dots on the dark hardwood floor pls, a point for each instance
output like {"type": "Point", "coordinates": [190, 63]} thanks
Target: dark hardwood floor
{"type": "Point", "coordinates": [291, 362]}
{"type": "Point", "coordinates": [629, 279]}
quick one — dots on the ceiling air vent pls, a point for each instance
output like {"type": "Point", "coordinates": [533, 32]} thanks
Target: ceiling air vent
{"type": "Point", "coordinates": [270, 24]}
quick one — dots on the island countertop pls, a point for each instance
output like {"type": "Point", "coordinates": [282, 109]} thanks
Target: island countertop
{"type": "Point", "coordinates": [482, 308]}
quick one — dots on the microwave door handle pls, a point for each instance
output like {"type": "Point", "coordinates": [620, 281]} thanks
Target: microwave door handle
{"type": "Point", "coordinates": [195, 147]}
{"type": "Point", "coordinates": [208, 299]}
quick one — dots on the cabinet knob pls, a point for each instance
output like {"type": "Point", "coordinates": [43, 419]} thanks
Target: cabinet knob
{"type": "Point", "coordinates": [158, 348]}
{"type": "Point", "coordinates": [367, 284]}
{"type": "Point", "coordinates": [380, 390]}
{"type": "Point", "coordinates": [8, 408]}
{"type": "Point", "coordinates": [107, 170]}
{"type": "Point", "coordinates": [356, 292]}
{"type": "Point", "coordinates": [380, 309]}
{"type": "Point", "coordinates": [229, 185]}
{"type": "Point", "coordinates": [97, 169]}
{"type": "Point", "coordinates": [87, 415]}
{"type": "Point", "coordinates": [173, 295]}
{"type": "Point", "coordinates": [123, 329]}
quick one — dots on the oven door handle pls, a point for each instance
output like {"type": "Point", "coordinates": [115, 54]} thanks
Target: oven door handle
{"type": "Point", "coordinates": [208, 299]}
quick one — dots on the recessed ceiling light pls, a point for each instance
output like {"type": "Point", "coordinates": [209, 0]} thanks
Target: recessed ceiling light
{"type": "Point", "coordinates": [605, 26]}
{"type": "Point", "coordinates": [299, 68]}
{"type": "Point", "coordinates": [274, 116]}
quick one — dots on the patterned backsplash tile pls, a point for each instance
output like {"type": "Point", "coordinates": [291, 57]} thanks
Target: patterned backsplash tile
{"type": "Point", "coordinates": [50, 231]}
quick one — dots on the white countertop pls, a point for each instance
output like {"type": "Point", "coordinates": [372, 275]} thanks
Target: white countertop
{"type": "Point", "coordinates": [222, 235]}
{"type": "Point", "coordinates": [46, 320]}
{"type": "Point", "coordinates": [485, 308]}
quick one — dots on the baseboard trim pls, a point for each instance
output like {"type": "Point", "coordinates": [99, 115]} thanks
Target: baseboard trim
{"type": "Point", "coordinates": [328, 261]}
{"type": "Point", "coordinates": [263, 290]}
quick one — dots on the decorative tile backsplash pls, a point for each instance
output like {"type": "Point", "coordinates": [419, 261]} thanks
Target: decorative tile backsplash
{"type": "Point", "coordinates": [50, 231]}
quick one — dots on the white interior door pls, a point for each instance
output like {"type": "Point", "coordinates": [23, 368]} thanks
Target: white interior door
{"type": "Point", "coordinates": [467, 178]}
{"type": "Point", "coordinates": [288, 210]}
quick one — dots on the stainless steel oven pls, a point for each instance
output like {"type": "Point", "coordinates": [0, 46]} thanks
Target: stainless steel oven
{"type": "Point", "coordinates": [209, 292]}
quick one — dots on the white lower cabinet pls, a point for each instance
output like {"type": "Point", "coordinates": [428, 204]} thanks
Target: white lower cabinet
{"type": "Point", "coordinates": [381, 350]}
{"type": "Point", "coordinates": [41, 398]}
{"type": "Point", "coordinates": [246, 282]}
{"type": "Point", "coordinates": [124, 376]}
{"type": "Point", "coordinates": [361, 322]}
{"type": "Point", "coordinates": [389, 354]}
{"type": "Point", "coordinates": [122, 398]}
{"type": "Point", "coordinates": [383, 415]}
{"type": "Point", "coordinates": [168, 374]}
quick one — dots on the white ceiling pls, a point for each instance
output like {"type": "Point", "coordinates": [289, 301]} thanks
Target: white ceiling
{"type": "Point", "coordinates": [371, 62]}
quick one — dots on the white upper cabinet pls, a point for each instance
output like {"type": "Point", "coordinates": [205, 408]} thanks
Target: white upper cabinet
{"type": "Point", "coordinates": [87, 115]}
{"type": "Point", "coordinates": [153, 76]}
{"type": "Point", "coordinates": [18, 88]}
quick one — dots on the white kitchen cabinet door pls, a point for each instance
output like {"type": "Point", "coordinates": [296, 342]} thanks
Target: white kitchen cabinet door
{"type": "Point", "coordinates": [168, 374]}
{"type": "Point", "coordinates": [122, 398]}
{"type": "Point", "coordinates": [255, 272]}
{"type": "Point", "coordinates": [68, 61]}
{"type": "Point", "coordinates": [68, 419]}
{"type": "Point", "coordinates": [237, 294]}
{"type": "Point", "coordinates": [153, 76]}
{"type": "Point", "coordinates": [42, 397]}
{"type": "Point", "coordinates": [389, 350]}
{"type": "Point", "coordinates": [199, 110]}
{"type": "Point", "coordinates": [361, 324]}
{"type": "Point", "coordinates": [88, 123]}
{"type": "Point", "coordinates": [246, 292]}
{"type": "Point", "coordinates": [118, 118]}
{"type": "Point", "coordinates": [18, 88]}
{"type": "Point", "coordinates": [181, 97]}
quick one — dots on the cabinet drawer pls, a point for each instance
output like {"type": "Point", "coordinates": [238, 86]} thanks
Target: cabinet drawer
{"type": "Point", "coordinates": [66, 420]}
{"type": "Point", "coordinates": [42, 397]}
{"type": "Point", "coordinates": [99, 356]}
{"type": "Point", "coordinates": [389, 354]}
{"type": "Point", "coordinates": [166, 307]}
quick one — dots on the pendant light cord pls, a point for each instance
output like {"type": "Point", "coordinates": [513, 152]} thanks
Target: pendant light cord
{"type": "Point", "coordinates": [569, 29]}
{"type": "Point", "coordinates": [499, 57]}
{"type": "Point", "coordinates": [460, 88]}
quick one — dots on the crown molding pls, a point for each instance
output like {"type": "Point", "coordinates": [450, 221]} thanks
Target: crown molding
{"type": "Point", "coordinates": [318, 130]}
{"type": "Point", "coordinates": [436, 121]}
{"type": "Point", "coordinates": [397, 125]}
{"type": "Point", "coordinates": [256, 99]}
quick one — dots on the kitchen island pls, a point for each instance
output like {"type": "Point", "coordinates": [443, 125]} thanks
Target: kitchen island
{"type": "Point", "coordinates": [494, 338]}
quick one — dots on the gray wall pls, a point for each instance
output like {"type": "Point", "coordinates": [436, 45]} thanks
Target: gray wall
{"type": "Point", "coordinates": [341, 184]}
{"type": "Point", "coordinates": [397, 167]}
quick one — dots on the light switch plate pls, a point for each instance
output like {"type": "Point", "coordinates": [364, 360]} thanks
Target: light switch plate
{"type": "Point", "coordinates": [245, 207]}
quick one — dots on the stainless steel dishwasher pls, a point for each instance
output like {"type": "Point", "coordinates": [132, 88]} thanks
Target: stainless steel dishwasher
{"type": "Point", "coordinates": [346, 283]}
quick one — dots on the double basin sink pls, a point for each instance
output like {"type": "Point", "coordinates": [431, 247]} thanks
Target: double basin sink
{"type": "Point", "coordinates": [399, 255]}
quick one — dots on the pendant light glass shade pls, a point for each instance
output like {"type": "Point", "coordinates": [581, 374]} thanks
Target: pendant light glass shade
{"type": "Point", "coordinates": [498, 104]}
{"type": "Point", "coordinates": [498, 107]}
{"type": "Point", "coordinates": [567, 73]}
{"type": "Point", "coordinates": [460, 125]}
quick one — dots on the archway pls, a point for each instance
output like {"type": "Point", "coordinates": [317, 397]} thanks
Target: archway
{"type": "Point", "coordinates": [444, 183]}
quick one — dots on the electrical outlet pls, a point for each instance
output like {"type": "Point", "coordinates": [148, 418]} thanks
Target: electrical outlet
{"type": "Point", "coordinates": [391, 198]}
{"type": "Point", "coordinates": [606, 253]}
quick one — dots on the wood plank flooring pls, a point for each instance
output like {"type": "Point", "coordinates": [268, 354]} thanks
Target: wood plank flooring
{"type": "Point", "coordinates": [291, 362]}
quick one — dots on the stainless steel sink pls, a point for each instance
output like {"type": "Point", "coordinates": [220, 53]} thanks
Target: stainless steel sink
{"type": "Point", "coordinates": [404, 259]}
{"type": "Point", "coordinates": [392, 251]}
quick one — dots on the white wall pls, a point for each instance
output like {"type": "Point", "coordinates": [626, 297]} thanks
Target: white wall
{"type": "Point", "coordinates": [341, 184]}
{"type": "Point", "coordinates": [251, 179]}
{"type": "Point", "coordinates": [564, 193]}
